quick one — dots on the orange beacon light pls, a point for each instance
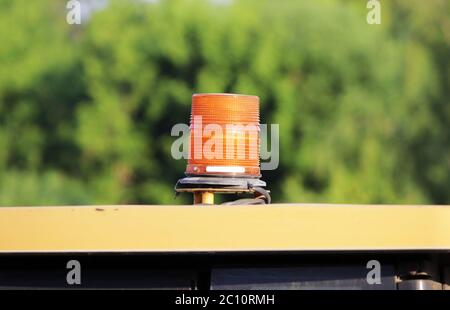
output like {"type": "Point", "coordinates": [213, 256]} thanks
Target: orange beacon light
{"type": "Point", "coordinates": [224, 136]}
{"type": "Point", "coordinates": [224, 149]}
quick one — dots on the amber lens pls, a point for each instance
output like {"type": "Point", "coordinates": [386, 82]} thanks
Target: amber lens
{"type": "Point", "coordinates": [224, 135]}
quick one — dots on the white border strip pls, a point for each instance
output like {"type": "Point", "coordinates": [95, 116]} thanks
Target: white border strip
{"type": "Point", "coordinates": [230, 169]}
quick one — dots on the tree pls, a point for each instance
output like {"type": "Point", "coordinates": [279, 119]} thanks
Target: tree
{"type": "Point", "coordinates": [86, 111]}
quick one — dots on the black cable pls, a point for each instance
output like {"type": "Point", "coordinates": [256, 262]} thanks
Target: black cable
{"type": "Point", "coordinates": [246, 201]}
{"type": "Point", "coordinates": [264, 193]}
{"type": "Point", "coordinates": [261, 199]}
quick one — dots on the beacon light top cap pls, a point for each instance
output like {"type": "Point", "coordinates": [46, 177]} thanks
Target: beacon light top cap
{"type": "Point", "coordinates": [223, 95]}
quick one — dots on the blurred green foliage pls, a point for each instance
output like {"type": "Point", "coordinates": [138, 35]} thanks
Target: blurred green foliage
{"type": "Point", "coordinates": [86, 110]}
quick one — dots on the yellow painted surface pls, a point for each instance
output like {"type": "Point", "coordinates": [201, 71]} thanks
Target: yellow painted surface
{"type": "Point", "coordinates": [224, 228]}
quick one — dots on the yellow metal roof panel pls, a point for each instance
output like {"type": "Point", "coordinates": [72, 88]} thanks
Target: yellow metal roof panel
{"type": "Point", "coordinates": [276, 227]}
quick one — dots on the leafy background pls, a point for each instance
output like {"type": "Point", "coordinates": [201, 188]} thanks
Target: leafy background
{"type": "Point", "coordinates": [86, 110]}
